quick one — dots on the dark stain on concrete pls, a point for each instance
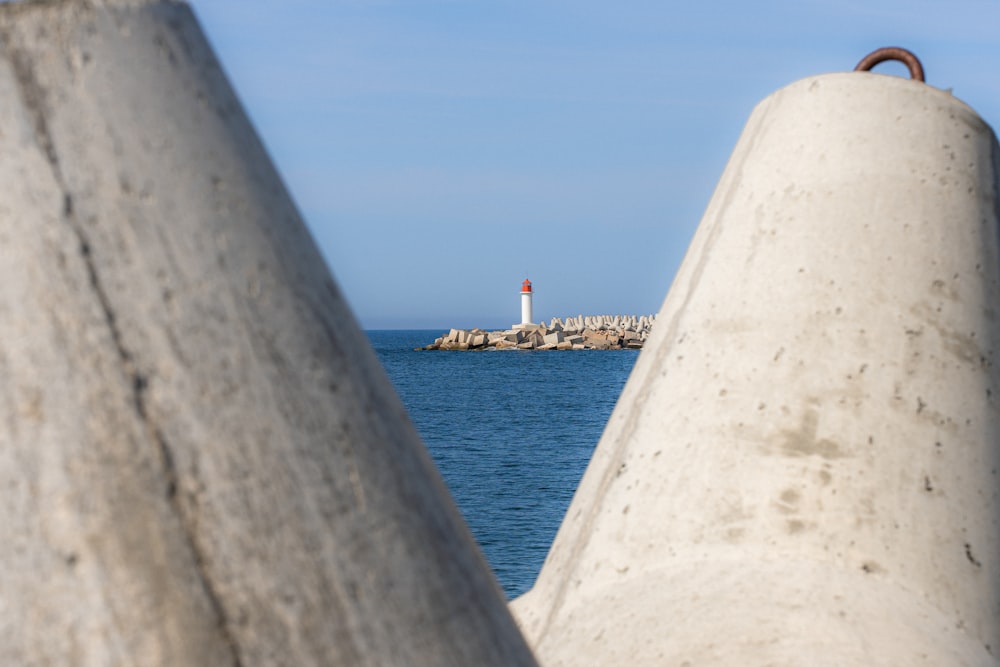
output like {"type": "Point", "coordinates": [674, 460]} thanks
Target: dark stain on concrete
{"type": "Point", "coordinates": [804, 441]}
{"type": "Point", "coordinates": [968, 554]}
{"type": "Point", "coordinates": [871, 567]}
{"type": "Point", "coordinates": [788, 502]}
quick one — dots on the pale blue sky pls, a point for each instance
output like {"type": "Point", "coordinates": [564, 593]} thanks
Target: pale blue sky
{"type": "Point", "coordinates": [443, 150]}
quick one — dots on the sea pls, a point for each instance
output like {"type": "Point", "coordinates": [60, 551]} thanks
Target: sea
{"type": "Point", "coordinates": [511, 432]}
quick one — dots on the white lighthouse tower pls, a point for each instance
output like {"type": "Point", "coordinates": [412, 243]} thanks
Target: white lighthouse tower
{"type": "Point", "coordinates": [526, 302]}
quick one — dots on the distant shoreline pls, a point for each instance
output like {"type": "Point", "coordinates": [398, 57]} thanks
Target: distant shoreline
{"type": "Point", "coordinates": [601, 332]}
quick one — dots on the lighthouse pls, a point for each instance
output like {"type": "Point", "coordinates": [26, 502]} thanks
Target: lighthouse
{"type": "Point", "coordinates": [526, 302]}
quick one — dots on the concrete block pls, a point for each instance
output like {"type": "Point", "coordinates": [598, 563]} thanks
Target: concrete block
{"type": "Point", "coordinates": [202, 461]}
{"type": "Point", "coordinates": [824, 491]}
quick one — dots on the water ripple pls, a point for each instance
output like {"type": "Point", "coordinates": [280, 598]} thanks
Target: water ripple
{"type": "Point", "coordinates": [511, 433]}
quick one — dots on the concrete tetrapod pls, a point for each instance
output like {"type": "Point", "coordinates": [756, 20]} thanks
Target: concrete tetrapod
{"type": "Point", "coordinates": [202, 461]}
{"type": "Point", "coordinates": [803, 467]}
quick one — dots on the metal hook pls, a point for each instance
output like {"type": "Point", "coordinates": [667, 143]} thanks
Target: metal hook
{"type": "Point", "coordinates": [892, 53]}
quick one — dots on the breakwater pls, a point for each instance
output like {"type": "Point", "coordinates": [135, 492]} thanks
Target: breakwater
{"type": "Point", "coordinates": [600, 332]}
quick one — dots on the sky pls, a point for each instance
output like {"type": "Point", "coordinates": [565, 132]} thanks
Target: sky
{"type": "Point", "coordinates": [442, 151]}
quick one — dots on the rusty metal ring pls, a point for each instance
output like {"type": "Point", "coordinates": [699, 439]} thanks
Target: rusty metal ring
{"type": "Point", "coordinates": [892, 53]}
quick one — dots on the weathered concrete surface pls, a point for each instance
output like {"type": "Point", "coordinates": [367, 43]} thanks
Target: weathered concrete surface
{"type": "Point", "coordinates": [202, 462]}
{"type": "Point", "coordinates": [803, 466]}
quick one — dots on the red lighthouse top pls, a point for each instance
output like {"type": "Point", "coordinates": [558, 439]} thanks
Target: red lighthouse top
{"type": "Point", "coordinates": [526, 287]}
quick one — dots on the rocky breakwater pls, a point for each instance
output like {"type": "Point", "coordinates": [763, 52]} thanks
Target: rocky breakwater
{"type": "Point", "coordinates": [601, 332]}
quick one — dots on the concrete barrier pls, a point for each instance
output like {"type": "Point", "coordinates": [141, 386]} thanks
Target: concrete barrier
{"type": "Point", "coordinates": [803, 466]}
{"type": "Point", "coordinates": [201, 459]}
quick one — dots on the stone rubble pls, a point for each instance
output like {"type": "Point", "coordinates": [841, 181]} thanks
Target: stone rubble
{"type": "Point", "coordinates": [601, 332]}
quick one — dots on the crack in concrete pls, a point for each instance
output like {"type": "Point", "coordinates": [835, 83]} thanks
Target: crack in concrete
{"type": "Point", "coordinates": [33, 98]}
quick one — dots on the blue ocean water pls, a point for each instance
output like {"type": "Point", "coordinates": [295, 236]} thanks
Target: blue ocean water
{"type": "Point", "coordinates": [511, 432]}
